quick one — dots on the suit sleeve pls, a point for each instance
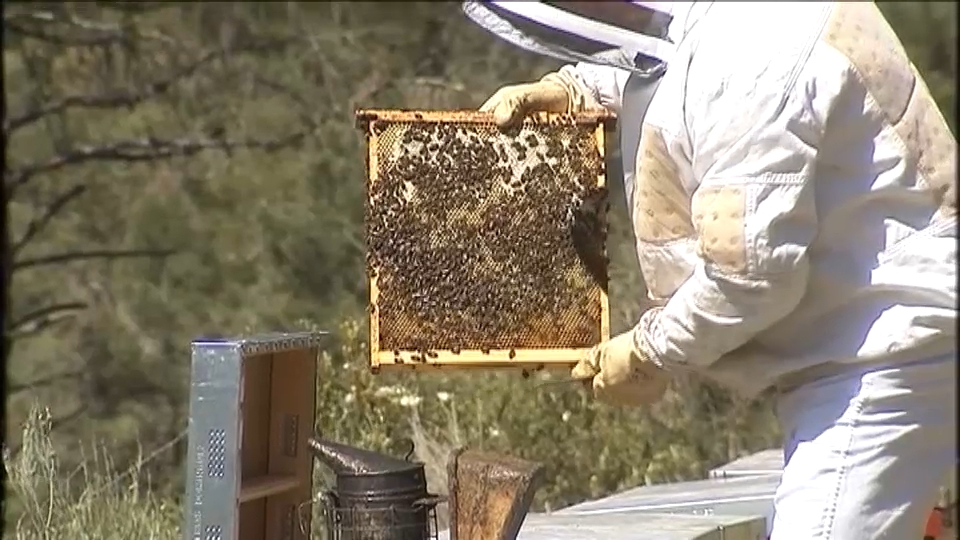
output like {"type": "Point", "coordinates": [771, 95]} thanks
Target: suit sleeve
{"type": "Point", "coordinates": [752, 144]}
{"type": "Point", "coordinates": [603, 83]}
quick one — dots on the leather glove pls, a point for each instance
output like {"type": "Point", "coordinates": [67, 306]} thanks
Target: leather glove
{"type": "Point", "coordinates": [621, 374]}
{"type": "Point", "coordinates": [558, 92]}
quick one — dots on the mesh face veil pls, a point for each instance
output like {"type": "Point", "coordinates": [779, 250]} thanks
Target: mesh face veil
{"type": "Point", "coordinates": [618, 34]}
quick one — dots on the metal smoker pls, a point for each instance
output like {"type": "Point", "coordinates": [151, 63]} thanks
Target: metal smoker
{"type": "Point", "coordinates": [377, 497]}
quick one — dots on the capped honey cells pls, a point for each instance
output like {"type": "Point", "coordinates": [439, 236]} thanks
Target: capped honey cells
{"type": "Point", "coordinates": [479, 239]}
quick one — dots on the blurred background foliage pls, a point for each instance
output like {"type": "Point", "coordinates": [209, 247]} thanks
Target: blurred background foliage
{"type": "Point", "coordinates": [183, 169]}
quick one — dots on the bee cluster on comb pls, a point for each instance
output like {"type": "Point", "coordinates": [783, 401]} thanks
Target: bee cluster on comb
{"type": "Point", "coordinates": [485, 247]}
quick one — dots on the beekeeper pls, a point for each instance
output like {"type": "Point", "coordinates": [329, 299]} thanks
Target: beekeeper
{"type": "Point", "coordinates": [794, 207]}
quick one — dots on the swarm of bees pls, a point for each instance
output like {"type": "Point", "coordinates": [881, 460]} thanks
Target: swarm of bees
{"type": "Point", "coordinates": [470, 236]}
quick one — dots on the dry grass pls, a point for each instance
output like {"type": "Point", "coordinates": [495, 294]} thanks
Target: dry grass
{"type": "Point", "coordinates": [95, 501]}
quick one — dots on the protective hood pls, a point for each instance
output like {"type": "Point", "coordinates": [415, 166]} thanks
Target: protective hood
{"type": "Point", "coordinates": [634, 36]}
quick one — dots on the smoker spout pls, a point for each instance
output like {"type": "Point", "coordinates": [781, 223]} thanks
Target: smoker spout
{"type": "Point", "coordinates": [345, 460]}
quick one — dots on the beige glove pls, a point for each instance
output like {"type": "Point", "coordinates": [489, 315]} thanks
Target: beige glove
{"type": "Point", "coordinates": [558, 92]}
{"type": "Point", "coordinates": [621, 375]}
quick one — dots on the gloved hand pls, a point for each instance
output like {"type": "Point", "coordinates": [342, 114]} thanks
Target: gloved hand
{"type": "Point", "coordinates": [558, 92]}
{"type": "Point", "coordinates": [621, 374]}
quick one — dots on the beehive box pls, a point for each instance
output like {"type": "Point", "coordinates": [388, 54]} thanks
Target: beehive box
{"type": "Point", "coordinates": [485, 248]}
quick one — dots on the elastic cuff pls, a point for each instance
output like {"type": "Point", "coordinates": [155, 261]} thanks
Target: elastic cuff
{"type": "Point", "coordinates": [641, 337]}
{"type": "Point", "coordinates": [578, 97]}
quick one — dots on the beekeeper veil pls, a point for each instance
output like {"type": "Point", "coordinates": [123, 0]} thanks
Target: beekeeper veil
{"type": "Point", "coordinates": [632, 36]}
{"type": "Point", "coordinates": [638, 37]}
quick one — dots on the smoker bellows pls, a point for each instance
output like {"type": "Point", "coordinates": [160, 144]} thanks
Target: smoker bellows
{"type": "Point", "coordinates": [485, 248]}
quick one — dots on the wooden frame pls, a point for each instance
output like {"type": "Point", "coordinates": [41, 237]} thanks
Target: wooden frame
{"type": "Point", "coordinates": [365, 117]}
{"type": "Point", "coordinates": [525, 359]}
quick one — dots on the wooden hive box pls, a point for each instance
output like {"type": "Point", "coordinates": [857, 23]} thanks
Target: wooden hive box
{"type": "Point", "coordinates": [485, 248]}
{"type": "Point", "coordinates": [252, 408]}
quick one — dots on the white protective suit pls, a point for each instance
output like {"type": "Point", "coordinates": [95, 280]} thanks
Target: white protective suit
{"type": "Point", "coordinates": [795, 211]}
{"type": "Point", "coordinates": [784, 234]}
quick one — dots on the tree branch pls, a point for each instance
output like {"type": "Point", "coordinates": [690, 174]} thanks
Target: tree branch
{"type": "Point", "coordinates": [47, 311]}
{"type": "Point", "coordinates": [112, 100]}
{"type": "Point", "coordinates": [139, 150]}
{"type": "Point", "coordinates": [43, 382]}
{"type": "Point", "coordinates": [42, 318]}
{"type": "Point", "coordinates": [36, 328]}
{"type": "Point", "coordinates": [67, 418]}
{"type": "Point", "coordinates": [48, 17]}
{"type": "Point", "coordinates": [72, 256]}
{"type": "Point", "coordinates": [137, 8]}
{"type": "Point", "coordinates": [293, 96]}
{"type": "Point", "coordinates": [119, 99]}
{"type": "Point", "coordinates": [97, 33]}
{"type": "Point", "coordinates": [54, 424]}
{"type": "Point", "coordinates": [37, 224]}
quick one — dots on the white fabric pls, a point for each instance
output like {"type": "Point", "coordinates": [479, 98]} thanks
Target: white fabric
{"type": "Point", "coordinates": [867, 452]}
{"type": "Point", "coordinates": [827, 281]}
{"type": "Point", "coordinates": [559, 19]}
{"type": "Point", "coordinates": [844, 262]}
{"type": "Point", "coordinates": [624, 45]}
{"type": "Point", "coordinates": [603, 75]}
{"type": "Point", "coordinates": [606, 82]}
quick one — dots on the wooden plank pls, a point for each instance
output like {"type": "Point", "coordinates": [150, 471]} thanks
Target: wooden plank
{"type": "Point", "coordinates": [260, 487]}
{"type": "Point", "coordinates": [532, 359]}
{"type": "Point", "coordinates": [601, 133]}
{"type": "Point", "coordinates": [255, 412]}
{"type": "Point", "coordinates": [366, 116]}
{"type": "Point", "coordinates": [374, 310]}
{"type": "Point", "coordinates": [293, 391]}
{"type": "Point", "coordinates": [254, 448]}
{"type": "Point", "coordinates": [374, 325]}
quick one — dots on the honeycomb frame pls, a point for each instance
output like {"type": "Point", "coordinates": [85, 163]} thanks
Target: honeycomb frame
{"type": "Point", "coordinates": [374, 121]}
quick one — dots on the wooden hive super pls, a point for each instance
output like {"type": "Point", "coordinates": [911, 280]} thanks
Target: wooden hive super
{"type": "Point", "coordinates": [485, 248]}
